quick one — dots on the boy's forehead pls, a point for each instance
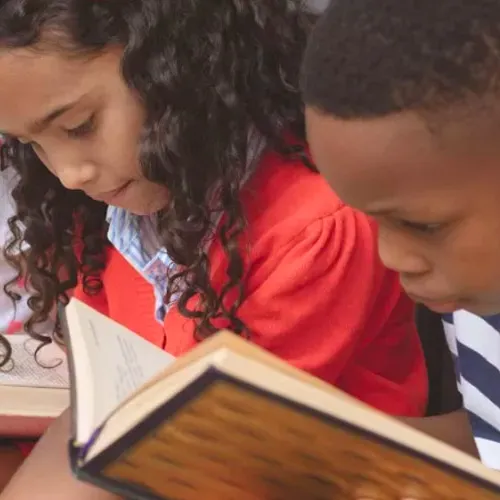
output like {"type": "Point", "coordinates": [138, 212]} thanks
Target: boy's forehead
{"type": "Point", "coordinates": [373, 164]}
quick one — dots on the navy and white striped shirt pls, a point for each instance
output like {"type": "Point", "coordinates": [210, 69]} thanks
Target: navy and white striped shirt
{"type": "Point", "coordinates": [475, 345]}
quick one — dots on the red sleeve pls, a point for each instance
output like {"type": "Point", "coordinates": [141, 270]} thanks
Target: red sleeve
{"type": "Point", "coordinates": [323, 301]}
{"type": "Point", "coordinates": [126, 297]}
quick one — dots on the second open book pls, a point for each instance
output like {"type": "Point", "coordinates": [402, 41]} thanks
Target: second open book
{"type": "Point", "coordinates": [34, 387]}
{"type": "Point", "coordinates": [229, 421]}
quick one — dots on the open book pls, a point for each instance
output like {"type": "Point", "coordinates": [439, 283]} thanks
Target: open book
{"type": "Point", "coordinates": [230, 421]}
{"type": "Point", "coordinates": [33, 389]}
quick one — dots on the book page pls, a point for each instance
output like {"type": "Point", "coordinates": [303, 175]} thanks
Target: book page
{"type": "Point", "coordinates": [111, 363]}
{"type": "Point", "coordinates": [121, 363]}
{"type": "Point", "coordinates": [49, 369]}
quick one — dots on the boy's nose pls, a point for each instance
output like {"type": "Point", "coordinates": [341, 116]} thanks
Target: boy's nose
{"type": "Point", "coordinates": [401, 256]}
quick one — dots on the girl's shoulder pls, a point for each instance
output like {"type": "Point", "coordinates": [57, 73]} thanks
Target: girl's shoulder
{"type": "Point", "coordinates": [285, 196]}
{"type": "Point", "coordinates": [294, 220]}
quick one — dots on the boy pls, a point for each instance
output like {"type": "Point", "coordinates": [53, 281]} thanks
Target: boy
{"type": "Point", "coordinates": [403, 112]}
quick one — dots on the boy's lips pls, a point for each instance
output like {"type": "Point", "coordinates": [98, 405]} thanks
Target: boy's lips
{"type": "Point", "coordinates": [442, 307]}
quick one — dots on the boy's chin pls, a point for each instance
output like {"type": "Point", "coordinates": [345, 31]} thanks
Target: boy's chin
{"type": "Point", "coordinates": [478, 308]}
{"type": "Point", "coordinates": [483, 309]}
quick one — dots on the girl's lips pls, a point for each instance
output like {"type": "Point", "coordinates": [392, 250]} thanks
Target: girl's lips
{"type": "Point", "coordinates": [109, 196]}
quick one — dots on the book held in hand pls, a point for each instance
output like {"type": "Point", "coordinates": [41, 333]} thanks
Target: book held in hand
{"type": "Point", "coordinates": [34, 387]}
{"type": "Point", "coordinates": [229, 421]}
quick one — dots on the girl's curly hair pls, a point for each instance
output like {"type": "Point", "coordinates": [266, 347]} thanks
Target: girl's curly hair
{"type": "Point", "coordinates": [209, 73]}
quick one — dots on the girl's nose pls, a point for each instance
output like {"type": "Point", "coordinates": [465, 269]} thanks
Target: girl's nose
{"type": "Point", "coordinates": [76, 176]}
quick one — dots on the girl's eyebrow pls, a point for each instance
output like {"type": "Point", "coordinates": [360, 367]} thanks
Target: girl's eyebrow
{"type": "Point", "coordinates": [39, 125]}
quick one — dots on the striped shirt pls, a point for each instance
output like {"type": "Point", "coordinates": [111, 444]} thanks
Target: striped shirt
{"type": "Point", "coordinates": [475, 345]}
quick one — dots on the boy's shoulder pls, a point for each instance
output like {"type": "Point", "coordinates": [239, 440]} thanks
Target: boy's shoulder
{"type": "Point", "coordinates": [463, 318]}
{"type": "Point", "coordinates": [475, 345]}
{"type": "Point", "coordinates": [479, 333]}
{"type": "Point", "coordinates": [474, 337]}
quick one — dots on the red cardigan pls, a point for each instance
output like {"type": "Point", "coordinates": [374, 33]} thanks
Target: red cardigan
{"type": "Point", "coordinates": [316, 293]}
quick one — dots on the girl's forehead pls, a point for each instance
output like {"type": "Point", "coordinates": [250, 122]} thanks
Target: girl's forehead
{"type": "Point", "coordinates": [34, 84]}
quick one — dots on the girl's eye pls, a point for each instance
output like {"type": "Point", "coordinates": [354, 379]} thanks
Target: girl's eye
{"type": "Point", "coordinates": [34, 145]}
{"type": "Point", "coordinates": [82, 130]}
{"type": "Point", "coordinates": [421, 227]}
{"type": "Point", "coordinates": [38, 151]}
{"type": "Point", "coordinates": [23, 141]}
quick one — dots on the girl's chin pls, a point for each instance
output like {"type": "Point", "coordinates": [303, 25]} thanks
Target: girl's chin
{"type": "Point", "coordinates": [139, 201]}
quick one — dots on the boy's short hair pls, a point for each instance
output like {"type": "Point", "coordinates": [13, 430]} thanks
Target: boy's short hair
{"type": "Point", "coordinates": [370, 58]}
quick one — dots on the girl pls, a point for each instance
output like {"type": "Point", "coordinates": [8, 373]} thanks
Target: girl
{"type": "Point", "coordinates": [160, 149]}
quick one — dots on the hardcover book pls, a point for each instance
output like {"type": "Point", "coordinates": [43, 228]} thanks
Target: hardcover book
{"type": "Point", "coordinates": [230, 421]}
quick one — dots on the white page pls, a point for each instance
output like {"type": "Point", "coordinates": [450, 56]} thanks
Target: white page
{"type": "Point", "coordinates": [122, 361]}
{"type": "Point", "coordinates": [119, 363]}
{"type": "Point", "coordinates": [49, 369]}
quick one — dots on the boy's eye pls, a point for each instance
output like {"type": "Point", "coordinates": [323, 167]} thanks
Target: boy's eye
{"type": "Point", "coordinates": [420, 227]}
{"type": "Point", "coordinates": [82, 130]}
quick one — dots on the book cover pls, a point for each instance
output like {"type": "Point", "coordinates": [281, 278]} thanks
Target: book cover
{"type": "Point", "coordinates": [221, 439]}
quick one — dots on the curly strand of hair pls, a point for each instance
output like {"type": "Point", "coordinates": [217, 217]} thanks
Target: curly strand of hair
{"type": "Point", "coordinates": [46, 222]}
{"type": "Point", "coordinates": [7, 354]}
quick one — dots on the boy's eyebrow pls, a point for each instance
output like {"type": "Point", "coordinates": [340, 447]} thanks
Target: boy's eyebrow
{"type": "Point", "coordinates": [38, 125]}
{"type": "Point", "coordinates": [402, 213]}
{"type": "Point", "coordinates": [382, 211]}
